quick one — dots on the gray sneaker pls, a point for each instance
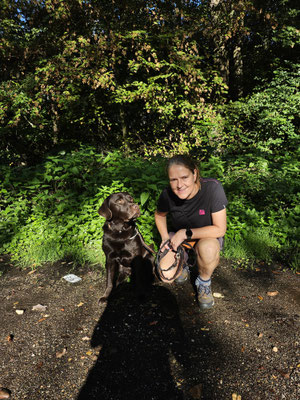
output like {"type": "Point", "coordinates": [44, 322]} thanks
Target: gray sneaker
{"type": "Point", "coordinates": [183, 277]}
{"type": "Point", "coordinates": [205, 297]}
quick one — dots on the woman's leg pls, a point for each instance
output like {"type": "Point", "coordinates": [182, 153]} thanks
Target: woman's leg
{"type": "Point", "coordinates": [208, 256]}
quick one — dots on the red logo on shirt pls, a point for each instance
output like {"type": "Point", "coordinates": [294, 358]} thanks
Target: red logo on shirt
{"type": "Point", "coordinates": [201, 212]}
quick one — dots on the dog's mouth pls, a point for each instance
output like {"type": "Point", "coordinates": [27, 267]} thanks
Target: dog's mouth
{"type": "Point", "coordinates": [135, 212]}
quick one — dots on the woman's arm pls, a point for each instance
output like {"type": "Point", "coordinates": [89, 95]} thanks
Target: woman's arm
{"type": "Point", "coordinates": [216, 230]}
{"type": "Point", "coordinates": [161, 224]}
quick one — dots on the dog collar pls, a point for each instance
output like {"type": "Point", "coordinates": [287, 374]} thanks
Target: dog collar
{"type": "Point", "coordinates": [136, 232]}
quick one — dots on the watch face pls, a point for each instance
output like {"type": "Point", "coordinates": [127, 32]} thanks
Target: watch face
{"type": "Point", "coordinates": [189, 233]}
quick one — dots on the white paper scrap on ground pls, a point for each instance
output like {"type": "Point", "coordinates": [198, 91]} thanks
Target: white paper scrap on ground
{"type": "Point", "coordinates": [72, 278]}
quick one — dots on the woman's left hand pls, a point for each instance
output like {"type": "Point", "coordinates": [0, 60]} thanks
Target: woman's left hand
{"type": "Point", "coordinates": [178, 238]}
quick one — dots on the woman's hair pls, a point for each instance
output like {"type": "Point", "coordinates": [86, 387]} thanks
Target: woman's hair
{"type": "Point", "coordinates": [186, 161]}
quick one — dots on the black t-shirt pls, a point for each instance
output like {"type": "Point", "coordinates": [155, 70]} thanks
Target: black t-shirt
{"type": "Point", "coordinates": [195, 212]}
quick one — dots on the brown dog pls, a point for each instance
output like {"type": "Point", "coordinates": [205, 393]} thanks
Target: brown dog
{"type": "Point", "coordinates": [125, 250]}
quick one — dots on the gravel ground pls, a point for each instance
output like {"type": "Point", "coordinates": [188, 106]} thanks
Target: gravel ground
{"type": "Point", "coordinates": [246, 348]}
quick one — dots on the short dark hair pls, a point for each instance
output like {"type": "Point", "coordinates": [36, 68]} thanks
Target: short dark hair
{"type": "Point", "coordinates": [185, 160]}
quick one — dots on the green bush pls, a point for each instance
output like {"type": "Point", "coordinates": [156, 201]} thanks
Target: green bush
{"type": "Point", "coordinates": [49, 212]}
{"type": "Point", "coordinates": [268, 120]}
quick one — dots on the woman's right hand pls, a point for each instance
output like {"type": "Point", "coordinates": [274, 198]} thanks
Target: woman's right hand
{"type": "Point", "coordinates": [164, 245]}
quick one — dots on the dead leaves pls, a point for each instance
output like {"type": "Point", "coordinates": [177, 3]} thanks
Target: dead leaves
{"type": "Point", "coordinates": [5, 393]}
{"type": "Point", "coordinates": [10, 338]}
{"type": "Point", "coordinates": [60, 354]}
{"type": "Point", "coordinates": [218, 295]}
{"type": "Point", "coordinates": [272, 294]}
{"type": "Point", "coordinates": [196, 391]}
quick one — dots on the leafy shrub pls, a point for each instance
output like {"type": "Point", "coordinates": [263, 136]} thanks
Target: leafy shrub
{"type": "Point", "coordinates": [268, 120]}
{"type": "Point", "coordinates": [50, 212]}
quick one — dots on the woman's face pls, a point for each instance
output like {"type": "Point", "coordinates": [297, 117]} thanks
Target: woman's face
{"type": "Point", "coordinates": [183, 182]}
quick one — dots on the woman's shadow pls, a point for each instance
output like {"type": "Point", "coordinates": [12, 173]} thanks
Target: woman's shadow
{"type": "Point", "coordinates": [140, 346]}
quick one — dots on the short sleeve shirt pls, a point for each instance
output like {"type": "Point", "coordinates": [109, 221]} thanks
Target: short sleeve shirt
{"type": "Point", "coordinates": [195, 212]}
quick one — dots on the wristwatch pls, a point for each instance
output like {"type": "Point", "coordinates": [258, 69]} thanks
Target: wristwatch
{"type": "Point", "coordinates": [189, 234]}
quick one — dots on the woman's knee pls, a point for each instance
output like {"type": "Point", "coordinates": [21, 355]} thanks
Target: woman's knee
{"type": "Point", "coordinates": [208, 250]}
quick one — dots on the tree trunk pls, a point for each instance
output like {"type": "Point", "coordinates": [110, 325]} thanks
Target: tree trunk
{"type": "Point", "coordinates": [54, 124]}
{"type": "Point", "coordinates": [124, 130]}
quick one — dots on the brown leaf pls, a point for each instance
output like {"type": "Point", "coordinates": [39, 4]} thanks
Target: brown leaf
{"type": "Point", "coordinates": [10, 338]}
{"type": "Point", "coordinates": [4, 393]}
{"type": "Point", "coordinates": [260, 297]}
{"type": "Point", "coordinates": [32, 271]}
{"type": "Point", "coordinates": [196, 391]}
{"type": "Point", "coordinates": [40, 364]}
{"type": "Point", "coordinates": [272, 294]}
{"type": "Point", "coordinates": [218, 295]}
{"type": "Point", "coordinates": [60, 354]}
{"type": "Point", "coordinates": [285, 374]}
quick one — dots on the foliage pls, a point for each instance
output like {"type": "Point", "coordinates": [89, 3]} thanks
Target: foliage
{"type": "Point", "coordinates": [49, 212]}
{"type": "Point", "coordinates": [77, 72]}
{"type": "Point", "coordinates": [268, 120]}
{"type": "Point", "coordinates": [219, 80]}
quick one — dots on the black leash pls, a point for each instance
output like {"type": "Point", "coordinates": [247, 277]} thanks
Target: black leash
{"type": "Point", "coordinates": [178, 263]}
{"type": "Point", "coordinates": [143, 241]}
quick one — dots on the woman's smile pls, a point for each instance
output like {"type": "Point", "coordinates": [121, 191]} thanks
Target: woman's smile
{"type": "Point", "coordinates": [183, 181]}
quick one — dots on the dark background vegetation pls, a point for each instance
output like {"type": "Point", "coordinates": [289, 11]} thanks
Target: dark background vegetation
{"type": "Point", "coordinates": [95, 94]}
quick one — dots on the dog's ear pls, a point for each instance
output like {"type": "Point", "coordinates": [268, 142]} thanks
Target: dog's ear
{"type": "Point", "coordinates": [104, 210]}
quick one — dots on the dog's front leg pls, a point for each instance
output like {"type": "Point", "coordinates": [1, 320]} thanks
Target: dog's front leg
{"type": "Point", "coordinates": [111, 268]}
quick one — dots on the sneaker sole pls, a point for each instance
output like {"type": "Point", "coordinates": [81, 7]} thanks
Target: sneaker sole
{"type": "Point", "coordinates": [181, 280]}
{"type": "Point", "coordinates": [206, 306]}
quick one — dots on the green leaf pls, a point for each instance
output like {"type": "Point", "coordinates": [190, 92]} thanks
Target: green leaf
{"type": "Point", "coordinates": [144, 197]}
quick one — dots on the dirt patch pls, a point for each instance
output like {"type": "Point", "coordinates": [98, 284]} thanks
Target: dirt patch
{"type": "Point", "coordinates": [248, 345]}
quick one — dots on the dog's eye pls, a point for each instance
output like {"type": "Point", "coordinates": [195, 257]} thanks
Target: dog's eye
{"type": "Point", "coordinates": [120, 201]}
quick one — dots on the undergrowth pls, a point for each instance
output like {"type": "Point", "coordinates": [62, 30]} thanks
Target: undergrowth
{"type": "Point", "coordinates": [49, 212]}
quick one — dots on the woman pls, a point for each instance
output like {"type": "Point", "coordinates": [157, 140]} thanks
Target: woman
{"type": "Point", "coordinates": [197, 207]}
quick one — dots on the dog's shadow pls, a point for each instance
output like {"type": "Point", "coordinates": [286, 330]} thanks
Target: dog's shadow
{"type": "Point", "coordinates": [140, 345]}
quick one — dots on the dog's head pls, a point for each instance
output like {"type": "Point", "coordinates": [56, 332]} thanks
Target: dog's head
{"type": "Point", "coordinates": [119, 206]}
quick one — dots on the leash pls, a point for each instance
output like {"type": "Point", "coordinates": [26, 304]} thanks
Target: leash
{"type": "Point", "coordinates": [138, 233]}
{"type": "Point", "coordinates": [178, 263]}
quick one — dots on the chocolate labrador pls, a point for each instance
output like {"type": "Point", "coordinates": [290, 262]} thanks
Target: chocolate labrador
{"type": "Point", "coordinates": [123, 245]}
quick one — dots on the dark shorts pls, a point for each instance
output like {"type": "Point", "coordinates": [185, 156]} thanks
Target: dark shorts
{"type": "Point", "coordinates": [221, 241]}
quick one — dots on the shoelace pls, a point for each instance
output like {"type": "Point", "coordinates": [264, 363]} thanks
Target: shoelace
{"type": "Point", "coordinates": [206, 289]}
